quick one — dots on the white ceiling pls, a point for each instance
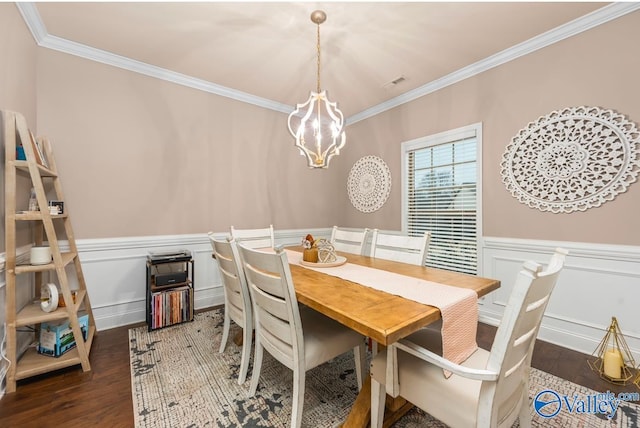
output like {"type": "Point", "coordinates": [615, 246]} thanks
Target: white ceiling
{"type": "Point", "coordinates": [265, 52]}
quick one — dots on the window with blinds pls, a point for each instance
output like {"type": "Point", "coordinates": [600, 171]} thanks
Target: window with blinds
{"type": "Point", "coordinates": [441, 181]}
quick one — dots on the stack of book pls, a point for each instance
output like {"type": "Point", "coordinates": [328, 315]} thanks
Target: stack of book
{"type": "Point", "coordinates": [171, 307]}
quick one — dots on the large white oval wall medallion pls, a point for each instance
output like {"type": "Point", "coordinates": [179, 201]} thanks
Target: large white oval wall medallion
{"type": "Point", "coordinates": [572, 160]}
{"type": "Point", "coordinates": [369, 184]}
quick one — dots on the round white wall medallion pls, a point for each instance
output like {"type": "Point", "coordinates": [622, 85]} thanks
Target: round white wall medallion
{"type": "Point", "coordinates": [369, 184]}
{"type": "Point", "coordinates": [572, 160]}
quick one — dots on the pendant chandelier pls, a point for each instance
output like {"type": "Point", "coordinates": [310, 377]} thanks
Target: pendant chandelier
{"type": "Point", "coordinates": [318, 124]}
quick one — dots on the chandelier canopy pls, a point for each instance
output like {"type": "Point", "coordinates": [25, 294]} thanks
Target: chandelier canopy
{"type": "Point", "coordinates": [318, 124]}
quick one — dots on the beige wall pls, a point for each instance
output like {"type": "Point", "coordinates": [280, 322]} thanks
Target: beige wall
{"type": "Point", "coordinates": [141, 156]}
{"type": "Point", "coordinates": [596, 68]}
{"type": "Point", "coordinates": [18, 53]}
{"type": "Point", "coordinates": [18, 71]}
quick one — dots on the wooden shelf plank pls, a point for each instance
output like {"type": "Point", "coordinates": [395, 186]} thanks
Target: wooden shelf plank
{"type": "Point", "coordinates": [24, 166]}
{"type": "Point", "coordinates": [35, 215]}
{"type": "Point", "coordinates": [32, 314]}
{"type": "Point", "coordinates": [66, 259]}
{"type": "Point", "coordinates": [33, 364]}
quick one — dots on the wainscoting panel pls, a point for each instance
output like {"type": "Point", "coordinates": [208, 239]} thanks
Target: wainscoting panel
{"type": "Point", "coordinates": [115, 272]}
{"type": "Point", "coordinates": [597, 283]}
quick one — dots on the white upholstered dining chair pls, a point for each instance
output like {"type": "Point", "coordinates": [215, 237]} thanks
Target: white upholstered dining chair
{"type": "Point", "coordinates": [400, 248]}
{"type": "Point", "coordinates": [255, 238]}
{"type": "Point", "coordinates": [490, 388]}
{"type": "Point", "coordinates": [297, 336]}
{"type": "Point", "coordinates": [348, 241]}
{"type": "Point", "coordinates": [237, 301]}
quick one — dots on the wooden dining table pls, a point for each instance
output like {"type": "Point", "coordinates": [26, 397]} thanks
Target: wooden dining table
{"type": "Point", "coordinates": [381, 316]}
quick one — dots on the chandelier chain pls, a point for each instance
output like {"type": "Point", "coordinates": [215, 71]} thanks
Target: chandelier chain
{"type": "Point", "coordinates": [318, 61]}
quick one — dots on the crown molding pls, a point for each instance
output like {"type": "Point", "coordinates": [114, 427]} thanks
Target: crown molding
{"type": "Point", "coordinates": [607, 13]}
{"type": "Point", "coordinates": [32, 18]}
{"type": "Point", "coordinates": [98, 55]}
{"type": "Point", "coordinates": [586, 22]}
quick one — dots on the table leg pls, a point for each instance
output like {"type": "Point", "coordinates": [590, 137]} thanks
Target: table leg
{"type": "Point", "coordinates": [360, 414]}
{"type": "Point", "coordinates": [395, 408]}
{"type": "Point", "coordinates": [237, 339]}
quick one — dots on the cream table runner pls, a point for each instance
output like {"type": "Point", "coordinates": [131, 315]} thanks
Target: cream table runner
{"type": "Point", "coordinates": [458, 306]}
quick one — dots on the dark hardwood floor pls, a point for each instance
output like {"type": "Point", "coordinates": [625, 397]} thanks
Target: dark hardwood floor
{"type": "Point", "coordinates": [102, 397]}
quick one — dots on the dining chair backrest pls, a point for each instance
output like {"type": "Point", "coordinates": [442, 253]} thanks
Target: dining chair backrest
{"type": "Point", "coordinates": [299, 337]}
{"type": "Point", "coordinates": [237, 300]}
{"type": "Point", "coordinates": [400, 248]}
{"type": "Point", "coordinates": [255, 238]}
{"type": "Point", "coordinates": [275, 305]}
{"type": "Point", "coordinates": [349, 241]}
{"type": "Point", "coordinates": [515, 338]}
{"type": "Point", "coordinates": [233, 278]}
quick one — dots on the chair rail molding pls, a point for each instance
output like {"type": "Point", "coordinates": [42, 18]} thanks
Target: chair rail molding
{"type": "Point", "coordinates": [594, 286]}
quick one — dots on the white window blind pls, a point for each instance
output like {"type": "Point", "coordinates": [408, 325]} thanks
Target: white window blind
{"type": "Point", "coordinates": [441, 195]}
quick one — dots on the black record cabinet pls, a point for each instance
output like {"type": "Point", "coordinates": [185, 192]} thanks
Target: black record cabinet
{"type": "Point", "coordinates": [169, 289]}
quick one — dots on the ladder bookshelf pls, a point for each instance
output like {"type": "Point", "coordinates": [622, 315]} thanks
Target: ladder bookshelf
{"type": "Point", "coordinates": [40, 168]}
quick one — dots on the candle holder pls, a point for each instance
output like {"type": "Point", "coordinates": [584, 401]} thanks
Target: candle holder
{"type": "Point", "coordinates": [613, 359]}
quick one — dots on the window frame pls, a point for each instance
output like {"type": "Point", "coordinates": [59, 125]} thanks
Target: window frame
{"type": "Point", "coordinates": [450, 136]}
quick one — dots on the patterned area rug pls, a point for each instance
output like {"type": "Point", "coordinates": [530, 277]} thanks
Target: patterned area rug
{"type": "Point", "coordinates": [179, 379]}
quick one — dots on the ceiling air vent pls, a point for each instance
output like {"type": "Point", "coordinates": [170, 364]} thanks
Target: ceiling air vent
{"type": "Point", "coordinates": [394, 82]}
